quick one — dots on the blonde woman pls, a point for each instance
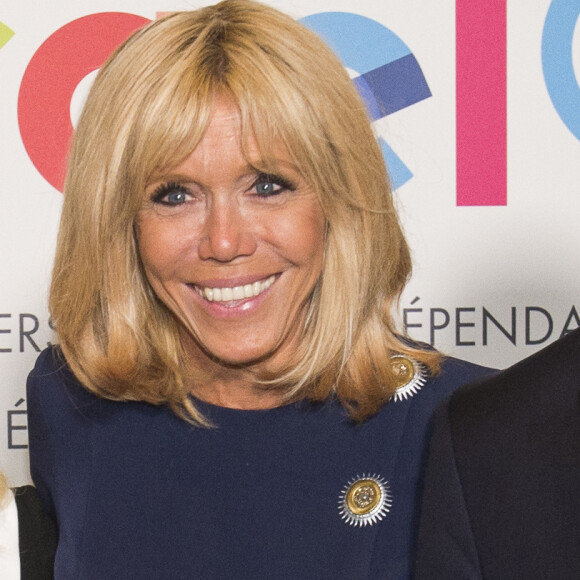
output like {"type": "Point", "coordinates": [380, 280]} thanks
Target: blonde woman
{"type": "Point", "coordinates": [9, 556]}
{"type": "Point", "coordinates": [230, 397]}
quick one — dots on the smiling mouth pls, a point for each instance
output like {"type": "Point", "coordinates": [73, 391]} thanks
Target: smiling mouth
{"type": "Point", "coordinates": [236, 292]}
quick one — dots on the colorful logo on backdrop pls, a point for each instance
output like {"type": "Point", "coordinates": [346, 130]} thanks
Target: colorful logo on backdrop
{"type": "Point", "coordinates": [58, 66]}
{"type": "Point", "coordinates": [557, 61]}
{"type": "Point", "coordinates": [5, 34]}
{"type": "Point", "coordinates": [389, 76]}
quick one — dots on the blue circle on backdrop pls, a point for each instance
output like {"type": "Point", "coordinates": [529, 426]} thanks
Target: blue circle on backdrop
{"type": "Point", "coordinates": [390, 77]}
{"type": "Point", "coordinates": [557, 62]}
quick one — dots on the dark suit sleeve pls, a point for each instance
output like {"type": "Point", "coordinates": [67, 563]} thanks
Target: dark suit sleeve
{"type": "Point", "coordinates": [37, 536]}
{"type": "Point", "coordinates": [446, 549]}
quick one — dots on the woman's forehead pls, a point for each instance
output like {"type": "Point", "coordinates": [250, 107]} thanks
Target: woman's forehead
{"type": "Point", "coordinates": [225, 128]}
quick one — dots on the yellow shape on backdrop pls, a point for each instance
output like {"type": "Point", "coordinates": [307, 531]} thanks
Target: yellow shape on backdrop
{"type": "Point", "coordinates": [5, 34]}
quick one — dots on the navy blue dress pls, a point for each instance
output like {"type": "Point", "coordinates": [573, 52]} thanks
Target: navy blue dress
{"type": "Point", "coordinates": [140, 493]}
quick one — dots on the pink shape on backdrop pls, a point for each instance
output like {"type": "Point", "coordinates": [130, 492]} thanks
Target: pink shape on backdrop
{"type": "Point", "coordinates": [481, 101]}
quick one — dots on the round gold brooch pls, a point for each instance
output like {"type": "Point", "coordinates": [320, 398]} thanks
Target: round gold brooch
{"type": "Point", "coordinates": [365, 500]}
{"type": "Point", "coordinates": [410, 375]}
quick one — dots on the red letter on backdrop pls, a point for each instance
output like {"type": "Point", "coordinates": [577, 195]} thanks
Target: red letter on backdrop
{"type": "Point", "coordinates": [481, 102]}
{"type": "Point", "coordinates": [48, 84]}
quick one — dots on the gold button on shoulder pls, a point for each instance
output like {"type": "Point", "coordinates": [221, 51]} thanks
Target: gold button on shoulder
{"type": "Point", "coordinates": [410, 376]}
{"type": "Point", "coordinates": [365, 500]}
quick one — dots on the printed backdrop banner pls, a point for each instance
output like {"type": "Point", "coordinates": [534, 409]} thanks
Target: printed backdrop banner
{"type": "Point", "coordinates": [475, 103]}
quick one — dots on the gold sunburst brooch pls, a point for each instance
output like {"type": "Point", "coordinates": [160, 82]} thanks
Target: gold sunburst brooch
{"type": "Point", "coordinates": [410, 375]}
{"type": "Point", "coordinates": [365, 500]}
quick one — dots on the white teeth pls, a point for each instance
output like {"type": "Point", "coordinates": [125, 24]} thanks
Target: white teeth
{"type": "Point", "coordinates": [237, 292]}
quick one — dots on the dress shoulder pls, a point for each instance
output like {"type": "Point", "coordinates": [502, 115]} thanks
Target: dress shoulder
{"type": "Point", "coordinates": [454, 373]}
{"type": "Point", "coordinates": [51, 383]}
{"type": "Point", "coordinates": [47, 375]}
{"type": "Point", "coordinates": [59, 415]}
{"type": "Point", "coordinates": [49, 361]}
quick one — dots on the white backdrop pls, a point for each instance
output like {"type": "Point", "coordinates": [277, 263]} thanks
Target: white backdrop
{"type": "Point", "coordinates": [492, 250]}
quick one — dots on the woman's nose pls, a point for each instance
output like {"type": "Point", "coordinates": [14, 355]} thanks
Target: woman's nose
{"type": "Point", "coordinates": [227, 233]}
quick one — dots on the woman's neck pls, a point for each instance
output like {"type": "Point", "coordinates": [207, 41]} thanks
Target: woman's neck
{"type": "Point", "coordinates": [229, 386]}
{"type": "Point", "coordinates": [238, 394]}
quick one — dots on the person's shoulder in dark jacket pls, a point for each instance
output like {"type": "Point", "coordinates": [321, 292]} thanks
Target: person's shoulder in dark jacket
{"type": "Point", "coordinates": [37, 536]}
{"type": "Point", "coordinates": [547, 381]}
{"type": "Point", "coordinates": [502, 489]}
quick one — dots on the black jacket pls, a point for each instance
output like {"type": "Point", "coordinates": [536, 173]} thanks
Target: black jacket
{"type": "Point", "coordinates": [37, 536]}
{"type": "Point", "coordinates": [502, 490]}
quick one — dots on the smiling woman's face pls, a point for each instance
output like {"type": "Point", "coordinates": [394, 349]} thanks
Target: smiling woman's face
{"type": "Point", "coordinates": [234, 253]}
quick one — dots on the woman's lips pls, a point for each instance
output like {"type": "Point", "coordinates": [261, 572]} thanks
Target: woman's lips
{"type": "Point", "coordinates": [235, 293]}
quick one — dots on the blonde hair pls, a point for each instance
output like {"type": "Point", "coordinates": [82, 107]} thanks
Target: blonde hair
{"type": "Point", "coordinates": [146, 112]}
{"type": "Point", "coordinates": [5, 493]}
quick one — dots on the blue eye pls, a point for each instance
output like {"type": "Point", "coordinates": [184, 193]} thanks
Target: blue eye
{"type": "Point", "coordinates": [171, 194]}
{"type": "Point", "coordinates": [175, 197]}
{"type": "Point", "coordinates": [268, 185]}
{"type": "Point", "coordinates": [267, 188]}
